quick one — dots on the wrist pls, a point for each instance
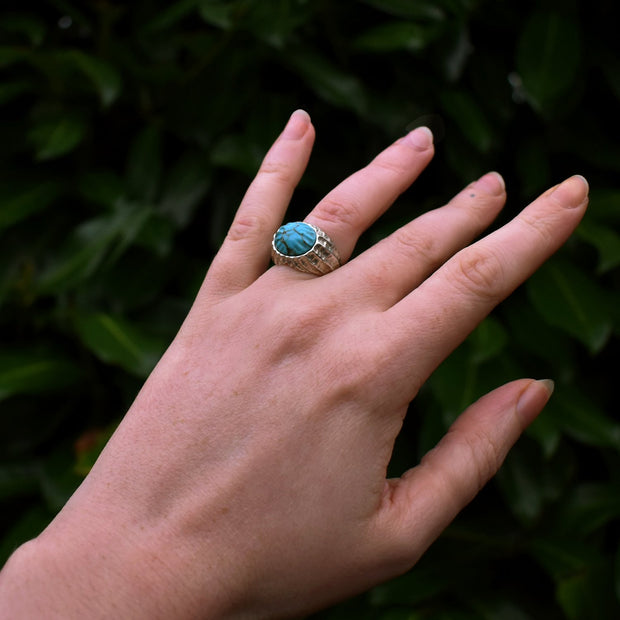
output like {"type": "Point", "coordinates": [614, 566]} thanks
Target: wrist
{"type": "Point", "coordinates": [70, 573]}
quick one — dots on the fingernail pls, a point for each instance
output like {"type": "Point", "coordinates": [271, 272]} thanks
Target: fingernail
{"type": "Point", "coordinates": [491, 183]}
{"type": "Point", "coordinates": [421, 138]}
{"type": "Point", "coordinates": [297, 125]}
{"type": "Point", "coordinates": [572, 192]}
{"type": "Point", "coordinates": [534, 398]}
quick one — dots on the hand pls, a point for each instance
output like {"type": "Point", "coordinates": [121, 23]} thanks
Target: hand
{"type": "Point", "coordinates": [248, 478]}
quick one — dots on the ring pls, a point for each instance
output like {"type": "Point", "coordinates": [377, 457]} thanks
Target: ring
{"type": "Point", "coordinates": [304, 247]}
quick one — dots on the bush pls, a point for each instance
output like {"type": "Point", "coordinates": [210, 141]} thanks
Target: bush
{"type": "Point", "coordinates": [129, 132]}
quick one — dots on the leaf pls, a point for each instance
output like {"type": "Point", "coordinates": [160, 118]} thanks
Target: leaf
{"type": "Point", "coordinates": [11, 55]}
{"type": "Point", "coordinates": [101, 187]}
{"type": "Point", "coordinates": [562, 557]}
{"type": "Point", "coordinates": [463, 109]}
{"type": "Point", "coordinates": [173, 14]}
{"type": "Point", "coordinates": [11, 90]}
{"type": "Point", "coordinates": [588, 595]}
{"type": "Point", "coordinates": [184, 187]}
{"type": "Point", "coordinates": [548, 57]}
{"type": "Point", "coordinates": [329, 82]}
{"type": "Point", "coordinates": [55, 137]}
{"type": "Point", "coordinates": [94, 243]}
{"type": "Point", "coordinates": [576, 414]}
{"type": "Point", "coordinates": [530, 481]}
{"type": "Point", "coordinates": [115, 340]}
{"type": "Point", "coordinates": [20, 201]}
{"type": "Point", "coordinates": [17, 480]}
{"type": "Point", "coordinates": [487, 340]}
{"type": "Point", "coordinates": [218, 13]}
{"type": "Point", "coordinates": [569, 299]}
{"type": "Point", "coordinates": [420, 9]}
{"type": "Point", "coordinates": [88, 447]}
{"type": "Point", "coordinates": [104, 76]}
{"type": "Point", "coordinates": [605, 240]}
{"type": "Point", "coordinates": [238, 153]}
{"type": "Point", "coordinates": [391, 36]}
{"type": "Point", "coordinates": [144, 165]}
{"type": "Point", "coordinates": [29, 524]}
{"type": "Point", "coordinates": [27, 25]}
{"type": "Point", "coordinates": [589, 507]}
{"type": "Point", "coordinates": [28, 372]}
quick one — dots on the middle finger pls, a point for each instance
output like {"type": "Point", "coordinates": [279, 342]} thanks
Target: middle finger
{"type": "Point", "coordinates": [350, 208]}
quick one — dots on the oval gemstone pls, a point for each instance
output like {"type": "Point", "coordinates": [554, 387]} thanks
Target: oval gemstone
{"type": "Point", "coordinates": [294, 238]}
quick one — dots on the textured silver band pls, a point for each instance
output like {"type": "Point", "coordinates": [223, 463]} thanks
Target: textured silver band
{"type": "Point", "coordinates": [322, 258]}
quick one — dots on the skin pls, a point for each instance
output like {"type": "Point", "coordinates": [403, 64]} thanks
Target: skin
{"type": "Point", "coordinates": [248, 479]}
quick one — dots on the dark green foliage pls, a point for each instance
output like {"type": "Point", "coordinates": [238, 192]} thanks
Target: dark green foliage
{"type": "Point", "coordinates": [129, 131]}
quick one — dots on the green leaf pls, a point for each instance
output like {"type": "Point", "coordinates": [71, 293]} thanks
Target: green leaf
{"type": "Point", "coordinates": [89, 446]}
{"type": "Point", "coordinates": [27, 526]}
{"type": "Point", "coordinates": [115, 340]}
{"type": "Point", "coordinates": [218, 13]}
{"type": "Point", "coordinates": [530, 481]}
{"type": "Point", "coordinates": [144, 165]}
{"type": "Point", "coordinates": [588, 595]}
{"type": "Point", "coordinates": [28, 372]}
{"type": "Point", "coordinates": [184, 187]}
{"type": "Point", "coordinates": [17, 479]}
{"type": "Point", "coordinates": [11, 90]}
{"type": "Point", "coordinates": [329, 82]}
{"type": "Point", "coordinates": [55, 137]}
{"type": "Point", "coordinates": [487, 340]}
{"type": "Point", "coordinates": [575, 413]}
{"type": "Point", "coordinates": [101, 187]}
{"type": "Point", "coordinates": [605, 240]}
{"type": "Point", "coordinates": [548, 57]}
{"type": "Point", "coordinates": [589, 507]}
{"type": "Point", "coordinates": [569, 299]}
{"type": "Point", "coordinates": [104, 76]}
{"type": "Point", "coordinates": [562, 557]}
{"type": "Point", "coordinates": [420, 9]}
{"type": "Point", "coordinates": [20, 201]}
{"type": "Point", "coordinates": [93, 244]}
{"type": "Point", "coordinates": [466, 113]}
{"type": "Point", "coordinates": [29, 26]}
{"type": "Point", "coordinates": [237, 152]}
{"type": "Point", "coordinates": [391, 36]}
{"type": "Point", "coordinates": [173, 14]}
{"type": "Point", "coordinates": [11, 55]}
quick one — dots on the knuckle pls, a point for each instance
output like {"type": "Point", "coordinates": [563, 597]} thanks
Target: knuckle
{"type": "Point", "coordinates": [422, 246]}
{"type": "Point", "coordinates": [276, 170]}
{"type": "Point", "coordinates": [478, 273]}
{"type": "Point", "coordinates": [485, 454]}
{"type": "Point", "coordinates": [389, 165]}
{"type": "Point", "coordinates": [334, 211]}
{"type": "Point", "coordinates": [543, 227]}
{"type": "Point", "coordinates": [244, 226]}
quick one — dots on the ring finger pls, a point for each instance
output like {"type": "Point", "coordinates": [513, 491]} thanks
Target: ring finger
{"type": "Point", "coordinates": [391, 269]}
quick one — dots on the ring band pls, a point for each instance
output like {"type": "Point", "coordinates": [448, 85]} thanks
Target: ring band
{"type": "Point", "coordinates": [304, 247]}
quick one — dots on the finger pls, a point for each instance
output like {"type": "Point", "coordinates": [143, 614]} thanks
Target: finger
{"type": "Point", "coordinates": [449, 304]}
{"type": "Point", "coordinates": [350, 208]}
{"type": "Point", "coordinates": [245, 253]}
{"type": "Point", "coordinates": [420, 504]}
{"type": "Point", "coordinates": [385, 273]}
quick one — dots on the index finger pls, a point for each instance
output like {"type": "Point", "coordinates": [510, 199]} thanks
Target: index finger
{"type": "Point", "coordinates": [445, 308]}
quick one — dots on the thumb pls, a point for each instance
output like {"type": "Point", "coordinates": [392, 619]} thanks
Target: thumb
{"type": "Point", "coordinates": [420, 504]}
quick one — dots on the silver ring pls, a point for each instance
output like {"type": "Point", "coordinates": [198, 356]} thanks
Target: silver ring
{"type": "Point", "coordinates": [304, 247]}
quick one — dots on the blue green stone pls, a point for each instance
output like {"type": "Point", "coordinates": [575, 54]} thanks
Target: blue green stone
{"type": "Point", "coordinates": [294, 238]}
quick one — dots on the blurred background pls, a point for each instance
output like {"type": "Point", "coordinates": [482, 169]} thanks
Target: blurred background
{"type": "Point", "coordinates": [129, 132]}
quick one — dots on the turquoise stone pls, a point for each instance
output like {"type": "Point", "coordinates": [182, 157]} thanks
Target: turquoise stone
{"type": "Point", "coordinates": [294, 238]}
